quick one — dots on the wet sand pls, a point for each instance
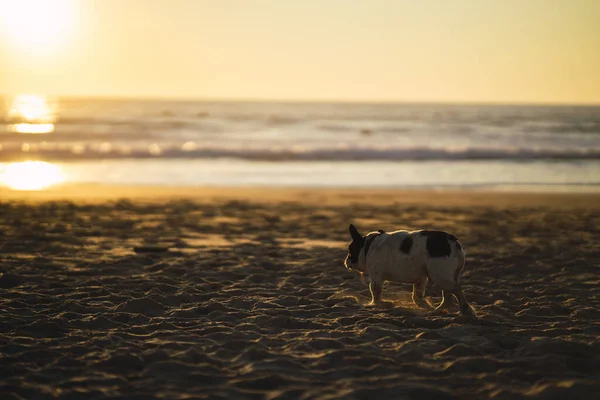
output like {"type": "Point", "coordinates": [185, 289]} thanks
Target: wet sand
{"type": "Point", "coordinates": [251, 300]}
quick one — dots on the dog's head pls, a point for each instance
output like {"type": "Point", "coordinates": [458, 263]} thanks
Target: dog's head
{"type": "Point", "coordinates": [357, 250]}
{"type": "Point", "coordinates": [352, 261]}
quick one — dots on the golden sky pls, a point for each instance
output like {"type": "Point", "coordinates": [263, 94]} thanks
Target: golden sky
{"type": "Point", "coordinates": [544, 51]}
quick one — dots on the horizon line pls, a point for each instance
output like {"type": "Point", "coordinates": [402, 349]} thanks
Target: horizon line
{"type": "Point", "coordinates": [208, 99]}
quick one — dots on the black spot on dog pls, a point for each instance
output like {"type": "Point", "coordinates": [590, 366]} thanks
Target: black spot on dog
{"type": "Point", "coordinates": [406, 245]}
{"type": "Point", "coordinates": [355, 248]}
{"type": "Point", "coordinates": [369, 241]}
{"type": "Point", "coordinates": [358, 242]}
{"type": "Point", "coordinates": [381, 231]}
{"type": "Point", "coordinates": [438, 244]}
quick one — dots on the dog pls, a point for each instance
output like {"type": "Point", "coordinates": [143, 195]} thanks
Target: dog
{"type": "Point", "coordinates": [410, 257]}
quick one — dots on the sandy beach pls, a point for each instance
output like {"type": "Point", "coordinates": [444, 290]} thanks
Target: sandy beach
{"type": "Point", "coordinates": [242, 294]}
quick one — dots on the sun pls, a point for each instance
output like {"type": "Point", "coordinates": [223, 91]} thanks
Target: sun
{"type": "Point", "coordinates": [35, 25]}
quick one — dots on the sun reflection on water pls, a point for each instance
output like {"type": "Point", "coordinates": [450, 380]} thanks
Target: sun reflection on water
{"type": "Point", "coordinates": [30, 175]}
{"type": "Point", "coordinates": [31, 114]}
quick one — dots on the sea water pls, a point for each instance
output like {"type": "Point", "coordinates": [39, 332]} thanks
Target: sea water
{"type": "Point", "coordinates": [228, 143]}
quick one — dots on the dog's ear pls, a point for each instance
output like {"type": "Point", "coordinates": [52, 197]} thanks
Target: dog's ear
{"type": "Point", "coordinates": [354, 233]}
{"type": "Point", "coordinates": [381, 231]}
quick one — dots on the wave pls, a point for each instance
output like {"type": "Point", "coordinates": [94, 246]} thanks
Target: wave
{"type": "Point", "coordinates": [327, 124]}
{"type": "Point", "coordinates": [189, 150]}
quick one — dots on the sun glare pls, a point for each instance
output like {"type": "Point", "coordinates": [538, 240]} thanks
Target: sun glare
{"type": "Point", "coordinates": [30, 175]}
{"type": "Point", "coordinates": [35, 25]}
{"type": "Point", "coordinates": [31, 114]}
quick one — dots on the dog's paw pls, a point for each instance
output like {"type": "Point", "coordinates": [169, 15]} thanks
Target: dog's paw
{"type": "Point", "coordinates": [469, 312]}
{"type": "Point", "coordinates": [423, 305]}
{"type": "Point", "coordinates": [386, 304]}
{"type": "Point", "coordinates": [443, 308]}
{"type": "Point", "coordinates": [381, 304]}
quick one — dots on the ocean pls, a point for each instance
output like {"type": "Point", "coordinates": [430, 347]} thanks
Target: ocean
{"type": "Point", "coordinates": [222, 143]}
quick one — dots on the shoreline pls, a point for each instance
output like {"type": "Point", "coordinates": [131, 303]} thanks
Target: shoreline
{"type": "Point", "coordinates": [94, 193]}
{"type": "Point", "coordinates": [464, 176]}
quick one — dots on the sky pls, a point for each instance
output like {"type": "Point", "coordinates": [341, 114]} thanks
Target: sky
{"type": "Point", "coordinates": [509, 51]}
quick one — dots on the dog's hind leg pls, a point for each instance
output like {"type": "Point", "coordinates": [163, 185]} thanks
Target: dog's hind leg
{"type": "Point", "coordinates": [418, 293]}
{"type": "Point", "coordinates": [446, 301]}
{"type": "Point", "coordinates": [465, 308]}
{"type": "Point", "coordinates": [445, 273]}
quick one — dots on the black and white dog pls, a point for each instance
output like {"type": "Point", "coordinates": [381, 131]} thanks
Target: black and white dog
{"type": "Point", "coordinates": [410, 257]}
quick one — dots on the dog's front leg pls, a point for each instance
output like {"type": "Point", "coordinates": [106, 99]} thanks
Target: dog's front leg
{"type": "Point", "coordinates": [418, 293]}
{"type": "Point", "coordinates": [376, 292]}
{"type": "Point", "coordinates": [376, 287]}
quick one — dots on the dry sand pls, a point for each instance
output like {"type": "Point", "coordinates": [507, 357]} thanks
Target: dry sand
{"type": "Point", "coordinates": [252, 300]}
